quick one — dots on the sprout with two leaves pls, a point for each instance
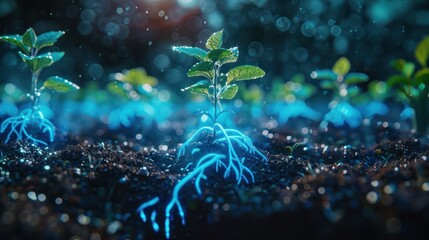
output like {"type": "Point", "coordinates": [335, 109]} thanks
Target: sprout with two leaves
{"type": "Point", "coordinates": [30, 44]}
{"type": "Point", "coordinates": [215, 147]}
{"type": "Point", "coordinates": [288, 99]}
{"type": "Point", "coordinates": [343, 83]}
{"type": "Point", "coordinates": [413, 86]}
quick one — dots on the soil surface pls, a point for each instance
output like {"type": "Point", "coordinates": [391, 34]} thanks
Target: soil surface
{"type": "Point", "coordinates": [322, 189]}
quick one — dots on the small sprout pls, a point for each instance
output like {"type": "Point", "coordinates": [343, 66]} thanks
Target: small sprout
{"type": "Point", "coordinates": [343, 83]}
{"type": "Point", "coordinates": [30, 44]}
{"type": "Point", "coordinates": [292, 148]}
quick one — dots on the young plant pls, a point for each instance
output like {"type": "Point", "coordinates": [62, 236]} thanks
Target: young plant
{"type": "Point", "coordinates": [288, 99]}
{"type": "Point", "coordinates": [371, 103]}
{"type": "Point", "coordinates": [413, 85]}
{"type": "Point", "coordinates": [343, 83]}
{"type": "Point", "coordinates": [211, 147]}
{"type": "Point", "coordinates": [30, 44]}
{"type": "Point", "coordinates": [136, 88]}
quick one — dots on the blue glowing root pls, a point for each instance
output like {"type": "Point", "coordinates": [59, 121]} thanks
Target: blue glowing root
{"type": "Point", "coordinates": [18, 126]}
{"type": "Point", "coordinates": [230, 141]}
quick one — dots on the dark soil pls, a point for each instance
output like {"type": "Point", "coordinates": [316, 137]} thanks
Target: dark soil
{"type": "Point", "coordinates": [320, 191]}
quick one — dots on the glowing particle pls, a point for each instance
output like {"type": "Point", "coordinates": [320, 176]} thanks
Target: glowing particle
{"type": "Point", "coordinates": [84, 220]}
{"type": "Point", "coordinates": [58, 201]}
{"type": "Point", "coordinates": [41, 197]}
{"type": "Point", "coordinates": [64, 217]}
{"type": "Point", "coordinates": [32, 195]}
{"type": "Point", "coordinates": [372, 197]}
{"type": "Point", "coordinates": [283, 24]}
{"type": "Point", "coordinates": [425, 186]}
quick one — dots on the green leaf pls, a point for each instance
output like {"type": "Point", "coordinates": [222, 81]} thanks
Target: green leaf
{"type": "Point", "coordinates": [60, 84]}
{"type": "Point", "coordinates": [398, 80]}
{"type": "Point", "coordinates": [15, 40]}
{"type": "Point", "coordinates": [204, 69]}
{"type": "Point", "coordinates": [324, 74]}
{"type": "Point", "coordinates": [421, 72]}
{"type": "Point", "coordinates": [37, 63]}
{"type": "Point", "coordinates": [245, 72]}
{"type": "Point", "coordinates": [48, 39]}
{"type": "Point", "coordinates": [422, 52]}
{"type": "Point", "coordinates": [298, 78]}
{"type": "Point", "coordinates": [421, 77]}
{"type": "Point", "coordinates": [398, 64]}
{"type": "Point", "coordinates": [221, 56]}
{"type": "Point", "coordinates": [378, 89]}
{"type": "Point", "coordinates": [29, 38]}
{"type": "Point", "coordinates": [230, 92]}
{"type": "Point", "coordinates": [196, 52]}
{"type": "Point", "coordinates": [408, 69]}
{"type": "Point", "coordinates": [136, 77]}
{"type": "Point", "coordinates": [327, 84]}
{"type": "Point", "coordinates": [355, 78]}
{"type": "Point", "coordinates": [215, 40]}
{"type": "Point", "coordinates": [201, 87]}
{"type": "Point", "coordinates": [341, 66]}
{"type": "Point", "coordinates": [56, 56]}
{"type": "Point", "coordinates": [353, 91]}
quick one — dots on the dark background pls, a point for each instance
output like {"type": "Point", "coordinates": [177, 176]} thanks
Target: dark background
{"type": "Point", "coordinates": [282, 37]}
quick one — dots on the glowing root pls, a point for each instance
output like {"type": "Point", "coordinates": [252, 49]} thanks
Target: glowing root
{"type": "Point", "coordinates": [18, 126]}
{"type": "Point", "coordinates": [229, 142]}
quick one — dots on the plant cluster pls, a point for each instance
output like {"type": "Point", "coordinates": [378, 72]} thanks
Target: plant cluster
{"type": "Point", "coordinates": [30, 45]}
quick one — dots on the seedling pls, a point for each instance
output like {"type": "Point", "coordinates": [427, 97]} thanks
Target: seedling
{"type": "Point", "coordinates": [344, 86]}
{"type": "Point", "coordinates": [30, 44]}
{"type": "Point", "coordinates": [412, 85]}
{"type": "Point", "coordinates": [291, 149]}
{"type": "Point", "coordinates": [289, 99]}
{"type": "Point", "coordinates": [213, 147]}
{"type": "Point", "coordinates": [372, 102]}
{"type": "Point", "coordinates": [135, 87]}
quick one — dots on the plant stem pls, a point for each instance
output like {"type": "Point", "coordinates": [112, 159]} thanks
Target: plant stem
{"type": "Point", "coordinates": [215, 97]}
{"type": "Point", "coordinates": [215, 92]}
{"type": "Point", "coordinates": [421, 120]}
{"type": "Point", "coordinates": [35, 93]}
